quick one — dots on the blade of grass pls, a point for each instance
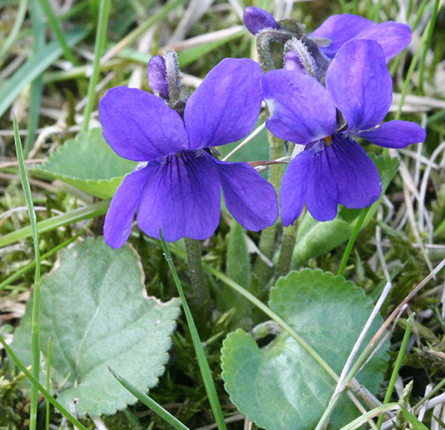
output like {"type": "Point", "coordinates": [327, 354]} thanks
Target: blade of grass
{"type": "Point", "coordinates": [351, 242]}
{"type": "Point", "coordinates": [370, 415]}
{"type": "Point", "coordinates": [48, 382]}
{"type": "Point", "coordinates": [23, 6]}
{"type": "Point", "coordinates": [87, 212]}
{"type": "Point", "coordinates": [53, 22]}
{"type": "Point", "coordinates": [202, 360]}
{"type": "Point", "coordinates": [31, 265]}
{"type": "Point", "coordinates": [397, 365]}
{"type": "Point", "coordinates": [34, 67]}
{"type": "Point", "coordinates": [412, 66]}
{"type": "Point", "coordinates": [40, 387]}
{"type": "Point", "coordinates": [101, 38]}
{"type": "Point", "coordinates": [35, 324]}
{"type": "Point", "coordinates": [139, 31]}
{"type": "Point", "coordinates": [38, 30]}
{"type": "Point", "coordinates": [149, 402]}
{"type": "Point", "coordinates": [429, 36]}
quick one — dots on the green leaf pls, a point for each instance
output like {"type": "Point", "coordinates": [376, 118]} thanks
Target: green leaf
{"type": "Point", "coordinates": [89, 164]}
{"type": "Point", "coordinates": [281, 387]}
{"type": "Point", "coordinates": [317, 238]}
{"type": "Point", "coordinates": [95, 310]}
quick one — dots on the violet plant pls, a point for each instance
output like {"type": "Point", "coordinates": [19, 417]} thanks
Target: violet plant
{"type": "Point", "coordinates": [315, 355]}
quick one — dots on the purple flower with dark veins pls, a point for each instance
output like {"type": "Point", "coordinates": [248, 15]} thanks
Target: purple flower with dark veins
{"type": "Point", "coordinates": [178, 187]}
{"type": "Point", "coordinates": [392, 36]}
{"type": "Point", "coordinates": [333, 168]}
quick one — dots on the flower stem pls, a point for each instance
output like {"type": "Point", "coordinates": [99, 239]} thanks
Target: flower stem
{"type": "Point", "coordinates": [201, 297]}
{"type": "Point", "coordinates": [351, 242]}
{"type": "Point", "coordinates": [267, 240]}
{"type": "Point", "coordinates": [287, 249]}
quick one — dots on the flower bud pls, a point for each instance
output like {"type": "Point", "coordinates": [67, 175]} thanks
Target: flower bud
{"type": "Point", "coordinates": [256, 19]}
{"type": "Point", "coordinates": [298, 58]}
{"type": "Point", "coordinates": [157, 76]}
{"type": "Point", "coordinates": [292, 62]}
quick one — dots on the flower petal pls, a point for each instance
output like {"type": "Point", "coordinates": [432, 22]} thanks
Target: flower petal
{"type": "Point", "coordinates": [360, 84]}
{"type": "Point", "coordinates": [395, 134]}
{"type": "Point", "coordinates": [392, 36]}
{"type": "Point", "coordinates": [140, 126]}
{"type": "Point", "coordinates": [157, 76]}
{"type": "Point", "coordinates": [341, 29]}
{"type": "Point", "coordinates": [323, 177]}
{"type": "Point", "coordinates": [225, 107]}
{"type": "Point", "coordinates": [250, 199]}
{"type": "Point", "coordinates": [182, 197]}
{"type": "Point", "coordinates": [356, 177]}
{"type": "Point", "coordinates": [120, 214]}
{"type": "Point", "coordinates": [256, 19]}
{"type": "Point", "coordinates": [300, 107]}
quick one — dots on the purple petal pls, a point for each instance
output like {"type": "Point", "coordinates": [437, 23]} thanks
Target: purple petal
{"type": "Point", "coordinates": [395, 134]}
{"type": "Point", "coordinates": [140, 126]}
{"type": "Point", "coordinates": [341, 29]}
{"type": "Point", "coordinates": [300, 107]}
{"type": "Point", "coordinates": [294, 185]}
{"type": "Point", "coordinates": [357, 179]}
{"type": "Point", "coordinates": [392, 36]}
{"type": "Point", "coordinates": [225, 107]}
{"type": "Point", "coordinates": [250, 199]}
{"type": "Point", "coordinates": [360, 84]}
{"type": "Point", "coordinates": [157, 76]}
{"type": "Point", "coordinates": [293, 62]}
{"type": "Point", "coordinates": [120, 214]}
{"type": "Point", "coordinates": [182, 197]}
{"type": "Point", "coordinates": [256, 19]}
{"type": "Point", "coordinates": [323, 177]}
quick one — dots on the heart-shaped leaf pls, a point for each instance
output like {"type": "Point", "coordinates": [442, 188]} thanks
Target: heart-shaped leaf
{"type": "Point", "coordinates": [89, 164]}
{"type": "Point", "coordinates": [94, 308]}
{"type": "Point", "coordinates": [281, 387]}
{"type": "Point", "coordinates": [318, 238]}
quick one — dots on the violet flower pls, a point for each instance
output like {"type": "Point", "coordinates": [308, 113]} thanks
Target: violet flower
{"type": "Point", "coordinates": [392, 36]}
{"type": "Point", "coordinates": [179, 189]}
{"type": "Point", "coordinates": [256, 19]}
{"type": "Point", "coordinates": [333, 168]}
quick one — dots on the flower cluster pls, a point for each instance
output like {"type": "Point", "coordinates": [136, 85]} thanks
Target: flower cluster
{"type": "Point", "coordinates": [335, 86]}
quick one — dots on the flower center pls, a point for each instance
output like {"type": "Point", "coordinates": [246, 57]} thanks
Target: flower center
{"type": "Point", "coordinates": [328, 140]}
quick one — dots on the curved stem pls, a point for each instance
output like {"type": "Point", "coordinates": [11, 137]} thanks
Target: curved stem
{"type": "Point", "coordinates": [350, 245]}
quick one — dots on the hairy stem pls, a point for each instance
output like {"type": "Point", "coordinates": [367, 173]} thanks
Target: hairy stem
{"type": "Point", "coordinates": [201, 297]}
{"type": "Point", "coordinates": [287, 249]}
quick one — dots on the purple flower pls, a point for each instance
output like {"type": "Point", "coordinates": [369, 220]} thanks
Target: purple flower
{"type": "Point", "coordinates": [179, 188]}
{"type": "Point", "coordinates": [333, 169]}
{"type": "Point", "coordinates": [157, 76]}
{"type": "Point", "coordinates": [256, 20]}
{"type": "Point", "coordinates": [392, 36]}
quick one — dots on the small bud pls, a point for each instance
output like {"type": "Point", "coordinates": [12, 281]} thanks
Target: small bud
{"type": "Point", "coordinates": [157, 76]}
{"type": "Point", "coordinates": [297, 57]}
{"type": "Point", "coordinates": [256, 19]}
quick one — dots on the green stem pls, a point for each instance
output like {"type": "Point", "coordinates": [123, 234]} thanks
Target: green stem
{"type": "Point", "coordinates": [262, 271]}
{"type": "Point", "coordinates": [202, 360]}
{"type": "Point", "coordinates": [48, 382]}
{"type": "Point", "coordinates": [381, 410]}
{"type": "Point", "coordinates": [38, 30]}
{"type": "Point", "coordinates": [53, 22]}
{"type": "Point", "coordinates": [287, 250]}
{"type": "Point", "coordinates": [40, 387]}
{"type": "Point", "coordinates": [35, 324]}
{"type": "Point", "coordinates": [101, 37]}
{"type": "Point", "coordinates": [429, 36]}
{"type": "Point", "coordinates": [397, 365]}
{"type": "Point", "coordinates": [201, 298]}
{"type": "Point", "coordinates": [351, 242]}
